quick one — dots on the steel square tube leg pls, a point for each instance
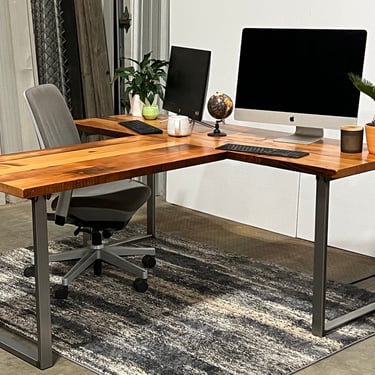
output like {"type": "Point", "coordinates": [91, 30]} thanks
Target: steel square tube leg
{"type": "Point", "coordinates": [151, 226]}
{"type": "Point", "coordinates": [320, 255]}
{"type": "Point", "coordinates": [39, 354]}
{"type": "Point", "coordinates": [42, 285]}
{"type": "Point", "coordinates": [321, 325]}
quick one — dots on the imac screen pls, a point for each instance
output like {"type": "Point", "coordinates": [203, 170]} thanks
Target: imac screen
{"type": "Point", "coordinates": [299, 77]}
{"type": "Point", "coordinates": [187, 79]}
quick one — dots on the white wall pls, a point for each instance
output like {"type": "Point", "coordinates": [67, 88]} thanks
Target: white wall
{"type": "Point", "coordinates": [16, 74]}
{"type": "Point", "coordinates": [268, 198]}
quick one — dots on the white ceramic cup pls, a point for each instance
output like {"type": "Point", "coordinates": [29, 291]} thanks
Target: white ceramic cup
{"type": "Point", "coordinates": [179, 126]}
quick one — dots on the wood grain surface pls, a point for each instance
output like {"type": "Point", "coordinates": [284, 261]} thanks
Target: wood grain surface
{"type": "Point", "coordinates": [34, 173]}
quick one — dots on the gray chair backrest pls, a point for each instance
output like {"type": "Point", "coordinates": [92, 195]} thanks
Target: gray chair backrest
{"type": "Point", "coordinates": [52, 119]}
{"type": "Point", "coordinates": [54, 126]}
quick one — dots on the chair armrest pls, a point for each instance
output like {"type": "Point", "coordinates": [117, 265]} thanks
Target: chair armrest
{"type": "Point", "coordinates": [62, 208]}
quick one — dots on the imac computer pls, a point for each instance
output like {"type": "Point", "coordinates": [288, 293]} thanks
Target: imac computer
{"type": "Point", "coordinates": [187, 79]}
{"type": "Point", "coordinates": [299, 77]}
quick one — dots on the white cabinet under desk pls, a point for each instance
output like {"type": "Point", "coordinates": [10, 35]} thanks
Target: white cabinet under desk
{"type": "Point", "coordinates": [260, 196]}
{"type": "Point", "coordinates": [278, 200]}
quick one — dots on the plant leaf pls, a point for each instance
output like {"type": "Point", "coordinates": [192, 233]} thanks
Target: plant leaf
{"type": "Point", "coordinates": [145, 77]}
{"type": "Point", "coordinates": [363, 85]}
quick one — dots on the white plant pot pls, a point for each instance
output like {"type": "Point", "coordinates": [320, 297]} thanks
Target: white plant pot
{"type": "Point", "coordinates": [136, 105]}
{"type": "Point", "coordinates": [156, 100]}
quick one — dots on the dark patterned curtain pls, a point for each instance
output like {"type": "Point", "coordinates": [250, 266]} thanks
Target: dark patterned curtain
{"type": "Point", "coordinates": [72, 53]}
{"type": "Point", "coordinates": [57, 50]}
{"type": "Point", "coordinates": [50, 44]}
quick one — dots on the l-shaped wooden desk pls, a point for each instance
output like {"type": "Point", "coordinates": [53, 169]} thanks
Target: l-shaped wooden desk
{"type": "Point", "coordinates": [36, 174]}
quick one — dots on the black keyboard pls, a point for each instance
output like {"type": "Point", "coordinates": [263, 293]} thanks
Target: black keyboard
{"type": "Point", "coordinates": [141, 127]}
{"type": "Point", "coordinates": [263, 150]}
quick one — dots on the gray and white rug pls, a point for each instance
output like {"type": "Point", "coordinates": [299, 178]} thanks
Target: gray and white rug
{"type": "Point", "coordinates": [204, 313]}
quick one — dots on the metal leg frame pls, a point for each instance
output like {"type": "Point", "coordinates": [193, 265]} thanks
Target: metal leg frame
{"type": "Point", "coordinates": [151, 216]}
{"type": "Point", "coordinates": [320, 325]}
{"type": "Point", "coordinates": [40, 354]}
{"type": "Point", "coordinates": [151, 206]}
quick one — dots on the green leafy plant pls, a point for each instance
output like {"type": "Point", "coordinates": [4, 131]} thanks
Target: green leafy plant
{"type": "Point", "coordinates": [145, 78]}
{"type": "Point", "coordinates": [364, 86]}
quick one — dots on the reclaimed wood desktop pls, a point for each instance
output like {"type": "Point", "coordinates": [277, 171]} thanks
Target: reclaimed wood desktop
{"type": "Point", "coordinates": [36, 174]}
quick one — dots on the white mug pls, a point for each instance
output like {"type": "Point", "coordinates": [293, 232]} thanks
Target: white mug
{"type": "Point", "coordinates": [179, 126]}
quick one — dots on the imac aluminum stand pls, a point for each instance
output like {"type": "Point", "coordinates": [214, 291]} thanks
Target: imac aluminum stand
{"type": "Point", "coordinates": [303, 135]}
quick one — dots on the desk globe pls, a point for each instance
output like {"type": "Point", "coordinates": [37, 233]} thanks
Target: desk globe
{"type": "Point", "coordinates": [220, 106]}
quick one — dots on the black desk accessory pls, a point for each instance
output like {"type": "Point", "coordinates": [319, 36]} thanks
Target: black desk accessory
{"type": "Point", "coordinates": [260, 150]}
{"type": "Point", "coordinates": [141, 127]}
{"type": "Point", "coordinates": [220, 106]}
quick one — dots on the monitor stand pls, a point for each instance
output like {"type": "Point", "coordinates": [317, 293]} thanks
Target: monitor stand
{"type": "Point", "coordinates": [303, 135]}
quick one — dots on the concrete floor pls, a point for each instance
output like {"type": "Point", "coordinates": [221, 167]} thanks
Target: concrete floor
{"type": "Point", "coordinates": [227, 236]}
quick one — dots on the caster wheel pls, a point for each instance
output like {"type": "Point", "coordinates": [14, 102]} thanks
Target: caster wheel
{"type": "Point", "coordinates": [29, 271]}
{"type": "Point", "coordinates": [61, 293]}
{"type": "Point", "coordinates": [98, 267]}
{"type": "Point", "coordinates": [149, 261]}
{"type": "Point", "coordinates": [140, 285]}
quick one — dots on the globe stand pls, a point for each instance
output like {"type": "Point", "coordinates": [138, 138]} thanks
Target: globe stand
{"type": "Point", "coordinates": [217, 132]}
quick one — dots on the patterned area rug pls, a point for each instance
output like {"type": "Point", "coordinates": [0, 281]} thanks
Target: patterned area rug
{"type": "Point", "coordinates": [204, 313]}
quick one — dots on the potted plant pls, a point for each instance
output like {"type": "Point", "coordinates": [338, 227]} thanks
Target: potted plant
{"type": "Point", "coordinates": [144, 83]}
{"type": "Point", "coordinates": [368, 88]}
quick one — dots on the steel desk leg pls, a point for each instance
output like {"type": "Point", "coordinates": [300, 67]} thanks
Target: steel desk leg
{"type": "Point", "coordinates": [320, 255]}
{"type": "Point", "coordinates": [151, 226]}
{"type": "Point", "coordinates": [320, 325]}
{"type": "Point", "coordinates": [40, 354]}
{"type": "Point", "coordinates": [42, 285]}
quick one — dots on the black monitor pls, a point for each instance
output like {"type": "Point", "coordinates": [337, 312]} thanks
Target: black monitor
{"type": "Point", "coordinates": [187, 79]}
{"type": "Point", "coordinates": [299, 77]}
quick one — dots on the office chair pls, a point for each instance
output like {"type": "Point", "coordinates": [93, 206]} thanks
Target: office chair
{"type": "Point", "coordinates": [96, 210]}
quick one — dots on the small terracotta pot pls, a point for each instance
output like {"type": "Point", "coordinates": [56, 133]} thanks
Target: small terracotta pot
{"type": "Point", "coordinates": [370, 137]}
